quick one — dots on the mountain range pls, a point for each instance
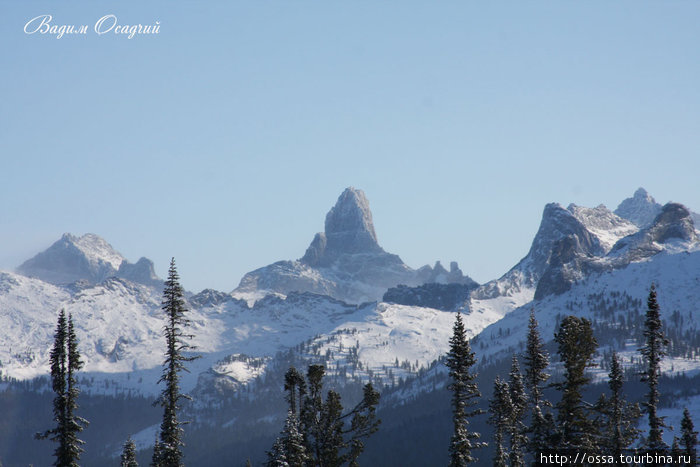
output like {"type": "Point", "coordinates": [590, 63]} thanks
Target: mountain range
{"type": "Point", "coordinates": [349, 304]}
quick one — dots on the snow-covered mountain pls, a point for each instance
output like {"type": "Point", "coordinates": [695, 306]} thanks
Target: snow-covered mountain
{"type": "Point", "coordinates": [586, 261]}
{"type": "Point", "coordinates": [345, 261]}
{"type": "Point", "coordinates": [88, 258]}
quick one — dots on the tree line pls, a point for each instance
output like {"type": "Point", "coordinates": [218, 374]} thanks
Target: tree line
{"type": "Point", "coordinates": [318, 431]}
{"type": "Point", "coordinates": [528, 429]}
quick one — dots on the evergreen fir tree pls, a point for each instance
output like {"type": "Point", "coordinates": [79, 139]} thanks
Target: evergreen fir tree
{"type": "Point", "coordinates": [74, 423]}
{"type": "Point", "coordinates": [518, 399]}
{"type": "Point", "coordinates": [128, 457]}
{"type": "Point", "coordinates": [65, 362]}
{"type": "Point", "coordinates": [295, 386]}
{"type": "Point", "coordinates": [277, 457]}
{"type": "Point", "coordinates": [576, 346]}
{"type": "Point", "coordinates": [322, 435]}
{"type": "Point", "coordinates": [676, 451]}
{"type": "Point", "coordinates": [157, 460]}
{"type": "Point", "coordinates": [459, 360]}
{"type": "Point", "coordinates": [171, 430]}
{"type": "Point", "coordinates": [653, 352]}
{"type": "Point", "coordinates": [536, 362]}
{"type": "Point", "coordinates": [619, 424]}
{"type": "Point", "coordinates": [689, 439]}
{"type": "Point", "coordinates": [501, 409]}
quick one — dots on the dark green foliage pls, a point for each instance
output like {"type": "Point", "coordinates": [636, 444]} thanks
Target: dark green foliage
{"type": "Point", "coordinates": [157, 461]}
{"type": "Point", "coordinates": [576, 346]}
{"type": "Point", "coordinates": [653, 352]}
{"type": "Point", "coordinates": [501, 409]}
{"type": "Point", "coordinates": [128, 457]}
{"type": "Point", "coordinates": [518, 399]}
{"type": "Point", "coordinates": [65, 363]}
{"type": "Point", "coordinates": [295, 386]}
{"type": "Point", "coordinates": [536, 362]}
{"type": "Point", "coordinates": [171, 432]}
{"type": "Point", "coordinates": [320, 435]}
{"type": "Point", "coordinates": [619, 417]}
{"type": "Point", "coordinates": [689, 439]}
{"type": "Point", "coordinates": [465, 394]}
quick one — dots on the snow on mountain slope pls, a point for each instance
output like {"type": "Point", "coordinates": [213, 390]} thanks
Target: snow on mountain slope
{"type": "Point", "coordinates": [88, 258]}
{"type": "Point", "coordinates": [604, 224]}
{"type": "Point", "coordinates": [344, 261]}
{"type": "Point", "coordinates": [677, 278]}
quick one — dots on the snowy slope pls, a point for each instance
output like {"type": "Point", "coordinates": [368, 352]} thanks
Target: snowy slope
{"type": "Point", "coordinates": [677, 278]}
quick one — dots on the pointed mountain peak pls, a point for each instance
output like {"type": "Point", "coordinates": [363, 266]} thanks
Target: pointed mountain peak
{"type": "Point", "coordinates": [351, 213]}
{"type": "Point", "coordinates": [349, 230]}
{"type": "Point", "coordinates": [641, 209]}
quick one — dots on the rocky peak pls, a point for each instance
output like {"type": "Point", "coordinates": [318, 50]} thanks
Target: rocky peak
{"type": "Point", "coordinates": [142, 272]}
{"type": "Point", "coordinates": [556, 224]}
{"type": "Point", "coordinates": [74, 258]}
{"type": "Point", "coordinates": [88, 259]}
{"type": "Point", "coordinates": [603, 223]}
{"type": "Point", "coordinates": [674, 222]}
{"type": "Point", "coordinates": [348, 230]}
{"type": "Point", "coordinates": [641, 209]}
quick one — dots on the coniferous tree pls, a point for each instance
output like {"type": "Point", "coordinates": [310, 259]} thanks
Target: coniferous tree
{"type": "Point", "coordinates": [536, 362]}
{"type": "Point", "coordinates": [128, 457]}
{"type": "Point", "coordinates": [619, 424]}
{"type": "Point", "coordinates": [321, 435]}
{"type": "Point", "coordinates": [518, 398]}
{"type": "Point", "coordinates": [689, 439]}
{"type": "Point", "coordinates": [295, 386]}
{"type": "Point", "coordinates": [676, 451]}
{"type": "Point", "coordinates": [460, 360]}
{"type": "Point", "coordinates": [653, 352]}
{"type": "Point", "coordinates": [156, 460]}
{"type": "Point", "coordinates": [576, 346]}
{"type": "Point", "coordinates": [171, 431]}
{"type": "Point", "coordinates": [501, 409]}
{"type": "Point", "coordinates": [74, 423]}
{"type": "Point", "coordinates": [65, 363]}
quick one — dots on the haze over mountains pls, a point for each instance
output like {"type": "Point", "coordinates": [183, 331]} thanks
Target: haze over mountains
{"type": "Point", "coordinates": [333, 306]}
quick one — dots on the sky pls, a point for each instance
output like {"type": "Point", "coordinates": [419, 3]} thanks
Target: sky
{"type": "Point", "coordinates": [224, 139]}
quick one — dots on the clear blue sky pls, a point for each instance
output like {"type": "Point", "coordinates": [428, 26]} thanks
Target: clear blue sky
{"type": "Point", "coordinates": [225, 139]}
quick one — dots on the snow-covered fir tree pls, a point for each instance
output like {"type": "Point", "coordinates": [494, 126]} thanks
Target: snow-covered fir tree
{"type": "Point", "coordinates": [65, 362]}
{"type": "Point", "coordinates": [536, 361]}
{"type": "Point", "coordinates": [460, 360]}
{"type": "Point", "coordinates": [501, 416]}
{"type": "Point", "coordinates": [171, 431]}
{"type": "Point", "coordinates": [289, 448]}
{"type": "Point", "coordinates": [518, 398]}
{"type": "Point", "coordinates": [689, 439]}
{"type": "Point", "coordinates": [576, 347]}
{"type": "Point", "coordinates": [653, 351]}
{"type": "Point", "coordinates": [321, 434]}
{"type": "Point", "coordinates": [128, 457]}
{"type": "Point", "coordinates": [619, 417]}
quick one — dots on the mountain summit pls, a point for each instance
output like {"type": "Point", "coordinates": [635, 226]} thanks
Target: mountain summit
{"type": "Point", "coordinates": [345, 261]}
{"type": "Point", "coordinates": [641, 209]}
{"type": "Point", "coordinates": [349, 230]}
{"type": "Point", "coordinates": [87, 258]}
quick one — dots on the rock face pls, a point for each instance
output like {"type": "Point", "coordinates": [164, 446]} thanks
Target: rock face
{"type": "Point", "coordinates": [345, 261]}
{"type": "Point", "coordinates": [604, 224]}
{"type": "Point", "coordinates": [557, 224]}
{"type": "Point", "coordinates": [349, 230]}
{"type": "Point", "coordinates": [575, 242]}
{"type": "Point", "coordinates": [89, 260]}
{"type": "Point", "coordinates": [673, 225]}
{"type": "Point", "coordinates": [641, 209]}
